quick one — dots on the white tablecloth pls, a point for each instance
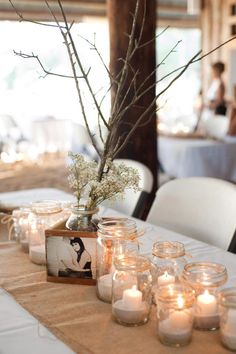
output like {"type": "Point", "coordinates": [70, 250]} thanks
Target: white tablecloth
{"type": "Point", "coordinates": [22, 334]}
{"type": "Point", "coordinates": [198, 157]}
{"type": "Point", "coordinates": [24, 197]}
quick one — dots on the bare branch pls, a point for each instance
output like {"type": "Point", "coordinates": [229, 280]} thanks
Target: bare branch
{"type": "Point", "coordinates": [152, 105]}
{"type": "Point", "coordinates": [33, 56]}
{"type": "Point", "coordinates": [31, 21]}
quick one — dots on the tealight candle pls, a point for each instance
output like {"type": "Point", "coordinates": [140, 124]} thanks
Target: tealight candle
{"type": "Point", "coordinates": [132, 298]}
{"type": "Point", "coordinates": [130, 309]}
{"type": "Point", "coordinates": [228, 330]}
{"type": "Point", "coordinates": [175, 315]}
{"type": "Point", "coordinates": [227, 303]}
{"type": "Point", "coordinates": [178, 326]}
{"type": "Point", "coordinates": [205, 278]}
{"type": "Point", "coordinates": [104, 286]}
{"type": "Point", "coordinates": [37, 254]}
{"type": "Point", "coordinates": [206, 311]}
{"type": "Point", "coordinates": [165, 279]}
{"type": "Point", "coordinates": [131, 291]}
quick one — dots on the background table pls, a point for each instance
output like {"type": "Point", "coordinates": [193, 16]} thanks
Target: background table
{"type": "Point", "coordinates": [183, 157]}
{"type": "Point", "coordinates": [75, 314]}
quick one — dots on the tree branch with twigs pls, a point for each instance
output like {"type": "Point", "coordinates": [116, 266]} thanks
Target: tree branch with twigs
{"type": "Point", "coordinates": [127, 77]}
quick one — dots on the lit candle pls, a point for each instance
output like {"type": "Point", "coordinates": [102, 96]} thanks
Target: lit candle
{"type": "Point", "coordinates": [104, 284]}
{"type": "Point", "coordinates": [228, 329]}
{"type": "Point", "coordinates": [132, 298]}
{"type": "Point", "coordinates": [177, 327]}
{"type": "Point", "coordinates": [130, 309]}
{"type": "Point", "coordinates": [206, 311]}
{"type": "Point", "coordinates": [165, 279]}
{"type": "Point", "coordinates": [37, 254]}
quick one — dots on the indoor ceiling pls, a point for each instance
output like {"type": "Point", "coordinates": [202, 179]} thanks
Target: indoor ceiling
{"type": "Point", "coordinates": [172, 12]}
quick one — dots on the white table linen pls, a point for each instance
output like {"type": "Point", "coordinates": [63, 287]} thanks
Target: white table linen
{"type": "Point", "coordinates": [21, 333]}
{"type": "Point", "coordinates": [16, 199]}
{"type": "Point", "coordinates": [198, 157]}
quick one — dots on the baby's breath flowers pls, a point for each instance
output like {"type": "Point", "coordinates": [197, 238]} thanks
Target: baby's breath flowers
{"type": "Point", "coordinates": [87, 183]}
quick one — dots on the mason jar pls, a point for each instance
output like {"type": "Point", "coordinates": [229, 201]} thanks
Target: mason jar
{"type": "Point", "coordinates": [175, 314]}
{"type": "Point", "coordinates": [227, 307]}
{"type": "Point", "coordinates": [82, 219]}
{"type": "Point", "coordinates": [205, 278]}
{"type": "Point", "coordinates": [169, 260]}
{"type": "Point", "coordinates": [115, 237]}
{"type": "Point", "coordinates": [131, 294]}
{"type": "Point", "coordinates": [44, 215]}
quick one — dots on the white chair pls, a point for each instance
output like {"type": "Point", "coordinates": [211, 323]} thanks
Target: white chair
{"type": "Point", "coordinates": [133, 201]}
{"type": "Point", "coordinates": [217, 126]}
{"type": "Point", "coordinates": [199, 207]}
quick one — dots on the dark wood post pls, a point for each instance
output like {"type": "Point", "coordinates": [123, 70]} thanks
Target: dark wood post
{"type": "Point", "coordinates": [143, 144]}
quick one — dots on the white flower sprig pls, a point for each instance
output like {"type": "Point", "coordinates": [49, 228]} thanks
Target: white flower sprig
{"type": "Point", "coordinates": [84, 180]}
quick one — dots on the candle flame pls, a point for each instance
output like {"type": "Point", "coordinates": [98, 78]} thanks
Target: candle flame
{"type": "Point", "coordinates": [206, 292]}
{"type": "Point", "coordinates": [134, 287]}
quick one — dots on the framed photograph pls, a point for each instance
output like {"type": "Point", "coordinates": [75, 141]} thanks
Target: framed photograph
{"type": "Point", "coordinates": [71, 256]}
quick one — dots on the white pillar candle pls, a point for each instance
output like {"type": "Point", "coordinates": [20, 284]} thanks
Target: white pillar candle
{"type": "Point", "coordinates": [37, 254]}
{"type": "Point", "coordinates": [228, 329]}
{"type": "Point", "coordinates": [132, 298]}
{"type": "Point", "coordinates": [206, 311]}
{"type": "Point", "coordinates": [165, 279]}
{"type": "Point", "coordinates": [104, 284]}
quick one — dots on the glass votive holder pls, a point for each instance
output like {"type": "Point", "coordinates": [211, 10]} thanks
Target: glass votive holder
{"type": "Point", "coordinates": [24, 228]}
{"type": "Point", "coordinates": [169, 260]}
{"type": "Point", "coordinates": [16, 224]}
{"type": "Point", "coordinates": [227, 306]}
{"type": "Point", "coordinates": [115, 237]}
{"type": "Point", "coordinates": [131, 295]}
{"type": "Point", "coordinates": [205, 278]}
{"type": "Point", "coordinates": [44, 215]}
{"type": "Point", "coordinates": [175, 314]}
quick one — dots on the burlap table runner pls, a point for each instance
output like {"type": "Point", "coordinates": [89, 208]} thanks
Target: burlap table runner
{"type": "Point", "coordinates": [79, 319]}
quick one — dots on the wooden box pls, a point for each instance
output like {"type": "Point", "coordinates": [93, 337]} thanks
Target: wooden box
{"type": "Point", "coordinates": [70, 255]}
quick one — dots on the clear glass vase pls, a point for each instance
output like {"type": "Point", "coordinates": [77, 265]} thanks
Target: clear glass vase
{"type": "Point", "coordinates": [82, 219]}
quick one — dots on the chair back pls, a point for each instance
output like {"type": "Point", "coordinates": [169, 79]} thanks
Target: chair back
{"type": "Point", "coordinates": [199, 207]}
{"type": "Point", "coordinates": [130, 205]}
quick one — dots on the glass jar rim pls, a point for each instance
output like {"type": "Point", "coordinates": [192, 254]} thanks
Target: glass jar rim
{"type": "Point", "coordinates": [81, 209]}
{"type": "Point", "coordinates": [227, 297]}
{"type": "Point", "coordinates": [46, 207]}
{"type": "Point", "coordinates": [128, 262]}
{"type": "Point", "coordinates": [169, 295]}
{"type": "Point", "coordinates": [117, 228]}
{"type": "Point", "coordinates": [205, 274]}
{"type": "Point", "coordinates": [168, 249]}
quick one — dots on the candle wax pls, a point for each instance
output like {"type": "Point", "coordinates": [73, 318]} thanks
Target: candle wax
{"type": "Point", "coordinates": [104, 284]}
{"type": "Point", "coordinates": [177, 328]}
{"type": "Point", "coordinates": [207, 304]}
{"type": "Point", "coordinates": [128, 315]}
{"type": "Point", "coordinates": [37, 254]}
{"type": "Point", "coordinates": [206, 311]}
{"type": "Point", "coordinates": [228, 330]}
{"type": "Point", "coordinates": [132, 298]}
